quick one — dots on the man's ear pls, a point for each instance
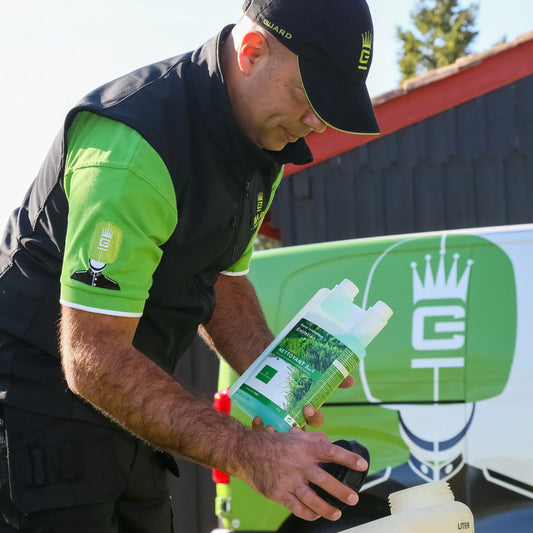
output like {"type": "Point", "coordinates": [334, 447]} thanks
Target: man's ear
{"type": "Point", "coordinates": [253, 46]}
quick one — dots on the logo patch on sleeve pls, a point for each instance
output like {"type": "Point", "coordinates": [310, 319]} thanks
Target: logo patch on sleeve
{"type": "Point", "coordinates": [103, 250]}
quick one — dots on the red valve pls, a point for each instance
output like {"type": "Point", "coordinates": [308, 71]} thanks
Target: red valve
{"type": "Point", "coordinates": [222, 404]}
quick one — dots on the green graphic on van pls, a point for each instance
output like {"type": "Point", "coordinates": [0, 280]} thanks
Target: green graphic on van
{"type": "Point", "coordinates": [447, 304]}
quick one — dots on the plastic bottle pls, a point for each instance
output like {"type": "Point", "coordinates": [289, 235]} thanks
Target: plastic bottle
{"type": "Point", "coordinates": [428, 507]}
{"type": "Point", "coordinates": [311, 356]}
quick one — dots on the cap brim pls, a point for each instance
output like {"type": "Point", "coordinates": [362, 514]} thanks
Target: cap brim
{"type": "Point", "coordinates": [338, 101]}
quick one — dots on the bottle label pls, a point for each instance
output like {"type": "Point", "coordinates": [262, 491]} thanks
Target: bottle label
{"type": "Point", "coordinates": [305, 367]}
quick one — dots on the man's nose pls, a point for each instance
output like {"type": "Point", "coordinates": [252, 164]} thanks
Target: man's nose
{"type": "Point", "coordinates": [312, 120]}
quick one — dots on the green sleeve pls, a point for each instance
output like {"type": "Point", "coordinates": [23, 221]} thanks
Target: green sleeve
{"type": "Point", "coordinates": [122, 208]}
{"type": "Point", "coordinates": [242, 266]}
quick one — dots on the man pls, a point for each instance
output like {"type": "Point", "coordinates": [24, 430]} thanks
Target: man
{"type": "Point", "coordinates": [141, 218]}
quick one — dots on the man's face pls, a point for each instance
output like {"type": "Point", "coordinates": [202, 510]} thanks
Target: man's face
{"type": "Point", "coordinates": [278, 109]}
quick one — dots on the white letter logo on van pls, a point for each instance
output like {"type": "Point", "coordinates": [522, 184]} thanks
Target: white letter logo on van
{"type": "Point", "coordinates": [440, 327]}
{"type": "Point", "coordinates": [447, 333]}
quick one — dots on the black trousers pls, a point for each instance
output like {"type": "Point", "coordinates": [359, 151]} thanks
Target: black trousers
{"type": "Point", "coordinates": [67, 476]}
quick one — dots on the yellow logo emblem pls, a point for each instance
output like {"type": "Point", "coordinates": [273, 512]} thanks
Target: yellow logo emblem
{"type": "Point", "coordinates": [364, 58]}
{"type": "Point", "coordinates": [259, 214]}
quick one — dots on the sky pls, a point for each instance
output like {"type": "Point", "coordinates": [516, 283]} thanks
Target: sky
{"type": "Point", "coordinates": [53, 52]}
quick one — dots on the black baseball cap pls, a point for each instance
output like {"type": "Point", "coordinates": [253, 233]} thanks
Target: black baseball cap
{"type": "Point", "coordinates": [333, 40]}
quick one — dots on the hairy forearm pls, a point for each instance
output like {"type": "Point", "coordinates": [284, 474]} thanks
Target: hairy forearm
{"type": "Point", "coordinates": [238, 328]}
{"type": "Point", "coordinates": [162, 412]}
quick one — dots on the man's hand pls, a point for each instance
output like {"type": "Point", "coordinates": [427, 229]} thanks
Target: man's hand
{"type": "Point", "coordinates": [295, 493]}
{"type": "Point", "coordinates": [281, 466]}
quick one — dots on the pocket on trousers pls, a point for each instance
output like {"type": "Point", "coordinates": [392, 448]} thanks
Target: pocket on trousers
{"type": "Point", "coordinates": [69, 464]}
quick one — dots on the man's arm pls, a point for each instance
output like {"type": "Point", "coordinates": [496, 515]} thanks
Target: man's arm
{"type": "Point", "coordinates": [238, 329]}
{"type": "Point", "coordinates": [101, 365]}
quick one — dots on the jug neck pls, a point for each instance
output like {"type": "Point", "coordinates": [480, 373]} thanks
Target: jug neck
{"type": "Point", "coordinates": [425, 495]}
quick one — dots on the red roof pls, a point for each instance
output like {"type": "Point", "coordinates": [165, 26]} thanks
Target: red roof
{"type": "Point", "coordinates": [441, 89]}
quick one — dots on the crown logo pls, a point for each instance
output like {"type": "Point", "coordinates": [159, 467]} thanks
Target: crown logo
{"type": "Point", "coordinates": [440, 287]}
{"type": "Point", "coordinates": [364, 58]}
{"type": "Point", "coordinates": [367, 39]}
{"type": "Point", "coordinates": [107, 232]}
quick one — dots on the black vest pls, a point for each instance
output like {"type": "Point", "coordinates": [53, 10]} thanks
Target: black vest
{"type": "Point", "coordinates": [180, 106]}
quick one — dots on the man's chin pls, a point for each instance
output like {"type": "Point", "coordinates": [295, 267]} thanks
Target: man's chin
{"type": "Point", "coordinates": [275, 147]}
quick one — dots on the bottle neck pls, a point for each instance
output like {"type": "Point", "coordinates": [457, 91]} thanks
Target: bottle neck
{"type": "Point", "coordinates": [421, 496]}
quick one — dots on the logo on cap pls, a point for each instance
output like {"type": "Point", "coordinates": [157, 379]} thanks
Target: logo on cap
{"type": "Point", "coordinates": [364, 58]}
{"type": "Point", "coordinates": [274, 27]}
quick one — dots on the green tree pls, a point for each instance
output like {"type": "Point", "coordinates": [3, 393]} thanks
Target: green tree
{"type": "Point", "coordinates": [443, 33]}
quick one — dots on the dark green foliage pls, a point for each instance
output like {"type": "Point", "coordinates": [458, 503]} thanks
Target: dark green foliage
{"type": "Point", "coordinates": [443, 33]}
{"type": "Point", "coordinates": [317, 354]}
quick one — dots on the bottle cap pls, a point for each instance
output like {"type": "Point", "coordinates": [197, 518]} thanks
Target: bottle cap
{"type": "Point", "coordinates": [350, 288]}
{"type": "Point", "coordinates": [382, 309]}
{"type": "Point", "coordinates": [372, 322]}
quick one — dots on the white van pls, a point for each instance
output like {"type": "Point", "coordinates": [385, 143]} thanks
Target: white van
{"type": "Point", "coordinates": [445, 391]}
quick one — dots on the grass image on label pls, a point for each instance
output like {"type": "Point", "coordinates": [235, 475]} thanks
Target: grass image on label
{"type": "Point", "coordinates": [300, 370]}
